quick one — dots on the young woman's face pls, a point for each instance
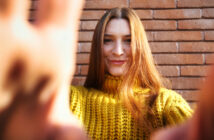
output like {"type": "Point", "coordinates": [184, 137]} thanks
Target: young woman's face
{"type": "Point", "coordinates": [117, 47]}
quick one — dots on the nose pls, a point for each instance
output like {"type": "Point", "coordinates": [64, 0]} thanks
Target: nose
{"type": "Point", "coordinates": [118, 48]}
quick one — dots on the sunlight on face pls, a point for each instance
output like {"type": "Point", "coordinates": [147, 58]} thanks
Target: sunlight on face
{"type": "Point", "coordinates": [117, 51]}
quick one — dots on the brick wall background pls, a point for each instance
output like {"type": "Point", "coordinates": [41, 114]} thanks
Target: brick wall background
{"type": "Point", "coordinates": [180, 32]}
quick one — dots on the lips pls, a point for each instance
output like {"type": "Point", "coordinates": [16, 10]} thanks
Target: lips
{"type": "Point", "coordinates": [117, 62]}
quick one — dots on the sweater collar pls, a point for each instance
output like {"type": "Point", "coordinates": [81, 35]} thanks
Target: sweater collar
{"type": "Point", "coordinates": [112, 84]}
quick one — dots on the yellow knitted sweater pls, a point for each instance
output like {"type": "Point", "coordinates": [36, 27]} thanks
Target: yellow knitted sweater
{"type": "Point", "coordinates": [105, 117]}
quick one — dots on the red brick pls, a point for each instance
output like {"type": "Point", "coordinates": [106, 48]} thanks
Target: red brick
{"type": "Point", "coordinates": [84, 70]}
{"type": "Point", "coordinates": [77, 70]}
{"type": "Point", "coordinates": [196, 24]}
{"type": "Point", "coordinates": [194, 70]}
{"type": "Point", "coordinates": [186, 83]}
{"type": "Point", "coordinates": [189, 3]}
{"type": "Point", "coordinates": [83, 58]}
{"type": "Point", "coordinates": [195, 3]}
{"type": "Point", "coordinates": [150, 36]}
{"type": "Point", "coordinates": [79, 26]}
{"type": "Point", "coordinates": [158, 47]}
{"type": "Point", "coordinates": [208, 3]}
{"type": "Point", "coordinates": [78, 81]}
{"type": "Point", "coordinates": [88, 25]}
{"type": "Point", "coordinates": [178, 35]}
{"type": "Point", "coordinates": [209, 58]}
{"type": "Point", "coordinates": [193, 105]}
{"type": "Point", "coordinates": [92, 14]}
{"type": "Point", "coordinates": [196, 47]}
{"type": "Point", "coordinates": [209, 35]}
{"type": "Point", "coordinates": [178, 58]}
{"type": "Point", "coordinates": [105, 4]}
{"type": "Point", "coordinates": [168, 70]}
{"type": "Point", "coordinates": [85, 36]}
{"type": "Point", "coordinates": [84, 47]}
{"type": "Point", "coordinates": [208, 13]}
{"type": "Point", "coordinates": [189, 95]}
{"type": "Point", "coordinates": [159, 24]}
{"type": "Point", "coordinates": [177, 14]}
{"type": "Point", "coordinates": [144, 14]}
{"type": "Point", "coordinates": [152, 4]}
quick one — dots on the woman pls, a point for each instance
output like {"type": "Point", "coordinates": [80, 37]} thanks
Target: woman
{"type": "Point", "coordinates": [123, 96]}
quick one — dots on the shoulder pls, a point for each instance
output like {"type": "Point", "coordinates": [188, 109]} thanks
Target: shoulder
{"type": "Point", "coordinates": [166, 94]}
{"type": "Point", "coordinates": [77, 95]}
{"type": "Point", "coordinates": [162, 98]}
{"type": "Point", "coordinates": [82, 91]}
{"type": "Point", "coordinates": [78, 89]}
{"type": "Point", "coordinates": [170, 97]}
{"type": "Point", "coordinates": [175, 107]}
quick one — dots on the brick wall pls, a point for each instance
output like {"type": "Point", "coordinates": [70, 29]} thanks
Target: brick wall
{"type": "Point", "coordinates": [180, 32]}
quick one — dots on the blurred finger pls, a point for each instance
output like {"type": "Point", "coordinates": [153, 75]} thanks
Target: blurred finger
{"type": "Point", "coordinates": [24, 110]}
{"type": "Point", "coordinates": [67, 133]}
{"type": "Point", "coordinates": [172, 133]}
{"type": "Point", "coordinates": [15, 73]}
{"type": "Point", "coordinates": [14, 8]}
{"type": "Point", "coordinates": [61, 13]}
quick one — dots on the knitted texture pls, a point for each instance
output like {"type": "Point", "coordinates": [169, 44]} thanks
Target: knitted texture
{"type": "Point", "coordinates": [105, 117]}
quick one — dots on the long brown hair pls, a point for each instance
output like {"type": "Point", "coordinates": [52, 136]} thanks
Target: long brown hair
{"type": "Point", "coordinates": [142, 66]}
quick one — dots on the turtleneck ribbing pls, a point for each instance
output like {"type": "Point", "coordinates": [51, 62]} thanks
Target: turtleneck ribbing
{"type": "Point", "coordinates": [105, 117]}
{"type": "Point", "coordinates": [112, 84]}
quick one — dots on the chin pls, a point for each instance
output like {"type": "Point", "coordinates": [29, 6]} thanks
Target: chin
{"type": "Point", "coordinates": [117, 73]}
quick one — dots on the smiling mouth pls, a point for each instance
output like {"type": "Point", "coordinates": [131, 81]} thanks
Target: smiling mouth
{"type": "Point", "coordinates": [117, 62]}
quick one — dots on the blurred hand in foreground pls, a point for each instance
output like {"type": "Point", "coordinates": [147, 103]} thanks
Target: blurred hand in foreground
{"type": "Point", "coordinates": [37, 64]}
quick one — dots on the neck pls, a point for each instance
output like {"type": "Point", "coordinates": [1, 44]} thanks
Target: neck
{"type": "Point", "coordinates": [112, 84]}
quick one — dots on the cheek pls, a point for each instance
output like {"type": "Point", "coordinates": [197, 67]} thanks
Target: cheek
{"type": "Point", "coordinates": [129, 57]}
{"type": "Point", "coordinates": [105, 55]}
{"type": "Point", "coordinates": [107, 50]}
{"type": "Point", "coordinates": [128, 52]}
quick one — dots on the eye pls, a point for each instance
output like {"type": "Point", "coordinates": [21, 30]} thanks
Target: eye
{"type": "Point", "coordinates": [107, 40]}
{"type": "Point", "coordinates": [128, 40]}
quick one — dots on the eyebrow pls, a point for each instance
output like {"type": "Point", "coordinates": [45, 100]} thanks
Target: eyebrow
{"type": "Point", "coordinates": [110, 35]}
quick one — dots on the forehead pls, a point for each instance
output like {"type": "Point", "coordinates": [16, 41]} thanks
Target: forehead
{"type": "Point", "coordinates": [118, 27]}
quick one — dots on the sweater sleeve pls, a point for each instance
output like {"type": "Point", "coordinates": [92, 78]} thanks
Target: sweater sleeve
{"type": "Point", "coordinates": [176, 109]}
